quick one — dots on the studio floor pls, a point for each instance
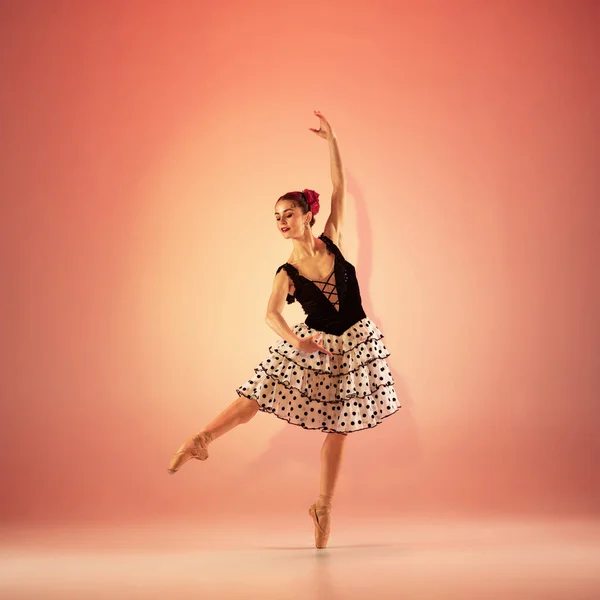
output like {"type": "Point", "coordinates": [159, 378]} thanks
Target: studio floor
{"type": "Point", "coordinates": [420, 558]}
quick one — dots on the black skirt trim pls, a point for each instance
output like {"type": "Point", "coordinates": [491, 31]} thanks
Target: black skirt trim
{"type": "Point", "coordinates": [337, 399]}
{"type": "Point", "coordinates": [325, 429]}
{"type": "Point", "coordinates": [332, 373]}
{"type": "Point", "coordinates": [371, 338]}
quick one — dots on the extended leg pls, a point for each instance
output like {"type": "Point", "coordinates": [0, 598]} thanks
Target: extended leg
{"type": "Point", "coordinates": [239, 411]}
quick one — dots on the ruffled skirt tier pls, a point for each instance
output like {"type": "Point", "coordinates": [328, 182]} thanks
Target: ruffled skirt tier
{"type": "Point", "coordinates": [349, 391]}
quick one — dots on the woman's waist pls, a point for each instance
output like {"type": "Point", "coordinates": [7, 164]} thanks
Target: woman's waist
{"type": "Point", "coordinates": [336, 325]}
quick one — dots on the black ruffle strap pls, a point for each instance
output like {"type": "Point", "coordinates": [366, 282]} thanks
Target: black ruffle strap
{"type": "Point", "coordinates": [292, 272]}
{"type": "Point", "coordinates": [330, 245]}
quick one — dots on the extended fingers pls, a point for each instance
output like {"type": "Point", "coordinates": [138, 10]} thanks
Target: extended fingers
{"type": "Point", "coordinates": [317, 340]}
{"type": "Point", "coordinates": [320, 348]}
{"type": "Point", "coordinates": [319, 344]}
{"type": "Point", "coordinates": [319, 114]}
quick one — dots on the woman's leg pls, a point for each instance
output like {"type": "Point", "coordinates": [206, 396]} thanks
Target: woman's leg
{"type": "Point", "coordinates": [239, 411]}
{"type": "Point", "coordinates": [332, 453]}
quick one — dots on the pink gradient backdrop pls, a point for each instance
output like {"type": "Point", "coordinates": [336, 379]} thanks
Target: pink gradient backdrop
{"type": "Point", "coordinates": [143, 146]}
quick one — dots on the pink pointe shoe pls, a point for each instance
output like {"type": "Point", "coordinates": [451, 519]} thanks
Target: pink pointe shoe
{"type": "Point", "coordinates": [321, 516]}
{"type": "Point", "coordinates": [195, 447]}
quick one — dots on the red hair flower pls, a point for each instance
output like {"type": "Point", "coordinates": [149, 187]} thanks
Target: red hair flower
{"type": "Point", "coordinates": [313, 200]}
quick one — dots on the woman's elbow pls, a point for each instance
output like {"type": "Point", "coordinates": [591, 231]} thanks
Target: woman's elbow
{"type": "Point", "coordinates": [271, 316]}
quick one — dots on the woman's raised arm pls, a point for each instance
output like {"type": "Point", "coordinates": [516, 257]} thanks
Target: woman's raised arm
{"type": "Point", "coordinates": [335, 222]}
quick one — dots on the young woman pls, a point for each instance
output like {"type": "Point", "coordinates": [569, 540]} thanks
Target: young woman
{"type": "Point", "coordinates": [329, 373]}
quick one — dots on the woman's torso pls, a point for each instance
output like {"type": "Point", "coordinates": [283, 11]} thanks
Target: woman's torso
{"type": "Point", "coordinates": [327, 289]}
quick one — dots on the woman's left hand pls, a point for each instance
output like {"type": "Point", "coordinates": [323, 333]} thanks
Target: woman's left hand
{"type": "Point", "coordinates": [324, 130]}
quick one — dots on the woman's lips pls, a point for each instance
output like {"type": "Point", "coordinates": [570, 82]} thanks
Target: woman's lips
{"type": "Point", "coordinates": [284, 229]}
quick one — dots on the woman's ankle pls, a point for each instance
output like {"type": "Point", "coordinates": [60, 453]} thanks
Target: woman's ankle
{"type": "Point", "coordinates": [324, 500]}
{"type": "Point", "coordinates": [207, 435]}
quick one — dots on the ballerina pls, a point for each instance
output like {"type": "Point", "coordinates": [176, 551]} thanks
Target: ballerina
{"type": "Point", "coordinates": [328, 373]}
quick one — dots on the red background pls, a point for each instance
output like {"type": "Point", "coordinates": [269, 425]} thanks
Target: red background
{"type": "Point", "coordinates": [143, 147]}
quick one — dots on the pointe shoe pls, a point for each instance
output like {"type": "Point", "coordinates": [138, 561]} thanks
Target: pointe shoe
{"type": "Point", "coordinates": [321, 516]}
{"type": "Point", "coordinates": [195, 447]}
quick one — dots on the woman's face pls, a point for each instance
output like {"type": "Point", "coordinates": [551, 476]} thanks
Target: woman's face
{"type": "Point", "coordinates": [289, 218]}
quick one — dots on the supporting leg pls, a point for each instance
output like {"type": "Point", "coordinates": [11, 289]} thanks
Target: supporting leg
{"type": "Point", "coordinates": [332, 453]}
{"type": "Point", "coordinates": [239, 411]}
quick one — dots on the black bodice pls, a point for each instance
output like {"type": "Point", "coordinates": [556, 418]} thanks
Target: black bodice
{"type": "Point", "coordinates": [334, 307]}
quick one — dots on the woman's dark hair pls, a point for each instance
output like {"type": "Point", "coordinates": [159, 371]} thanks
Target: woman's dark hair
{"type": "Point", "coordinates": [300, 199]}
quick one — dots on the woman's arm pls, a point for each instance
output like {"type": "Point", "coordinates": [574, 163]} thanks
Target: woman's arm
{"type": "Point", "coordinates": [274, 317]}
{"type": "Point", "coordinates": [275, 320]}
{"type": "Point", "coordinates": [334, 224]}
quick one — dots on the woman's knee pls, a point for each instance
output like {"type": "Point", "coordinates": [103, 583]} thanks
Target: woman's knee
{"type": "Point", "coordinates": [337, 438]}
{"type": "Point", "coordinates": [248, 407]}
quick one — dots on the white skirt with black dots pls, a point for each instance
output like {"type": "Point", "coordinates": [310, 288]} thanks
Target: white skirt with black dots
{"type": "Point", "coordinates": [350, 391]}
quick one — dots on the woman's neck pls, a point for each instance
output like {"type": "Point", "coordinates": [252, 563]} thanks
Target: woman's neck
{"type": "Point", "coordinates": [305, 247]}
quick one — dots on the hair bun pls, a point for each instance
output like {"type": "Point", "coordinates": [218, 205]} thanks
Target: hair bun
{"type": "Point", "coordinates": [312, 198]}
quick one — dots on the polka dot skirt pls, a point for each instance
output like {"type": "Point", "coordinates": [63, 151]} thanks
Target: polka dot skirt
{"type": "Point", "coordinates": [350, 391]}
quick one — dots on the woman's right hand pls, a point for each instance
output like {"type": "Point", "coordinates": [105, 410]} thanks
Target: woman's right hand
{"type": "Point", "coordinates": [312, 344]}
